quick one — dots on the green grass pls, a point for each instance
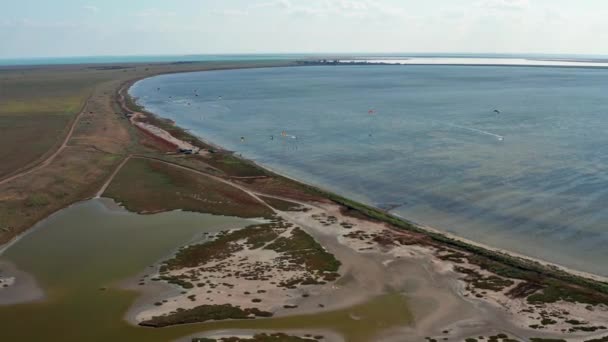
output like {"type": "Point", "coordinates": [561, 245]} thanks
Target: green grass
{"type": "Point", "coordinates": [153, 186]}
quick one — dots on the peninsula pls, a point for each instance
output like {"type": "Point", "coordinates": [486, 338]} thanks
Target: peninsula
{"type": "Point", "coordinates": [309, 265]}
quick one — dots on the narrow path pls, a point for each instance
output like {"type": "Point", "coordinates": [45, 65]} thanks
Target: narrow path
{"type": "Point", "coordinates": [52, 157]}
{"type": "Point", "coordinates": [219, 179]}
{"type": "Point", "coordinates": [287, 199]}
{"type": "Point", "coordinates": [111, 178]}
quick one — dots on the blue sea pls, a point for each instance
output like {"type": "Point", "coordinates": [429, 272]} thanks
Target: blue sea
{"type": "Point", "coordinates": [513, 157]}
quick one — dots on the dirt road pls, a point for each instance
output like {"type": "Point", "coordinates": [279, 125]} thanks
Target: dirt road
{"type": "Point", "coordinates": [52, 157]}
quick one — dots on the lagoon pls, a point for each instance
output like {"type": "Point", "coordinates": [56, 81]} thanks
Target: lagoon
{"type": "Point", "coordinates": [82, 256]}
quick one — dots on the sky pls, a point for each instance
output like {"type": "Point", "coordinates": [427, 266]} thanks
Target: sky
{"type": "Point", "coordinates": [61, 28]}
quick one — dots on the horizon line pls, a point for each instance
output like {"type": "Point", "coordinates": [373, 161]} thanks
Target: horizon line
{"type": "Point", "coordinates": [338, 53]}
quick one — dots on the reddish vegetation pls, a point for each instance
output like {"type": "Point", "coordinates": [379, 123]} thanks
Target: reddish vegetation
{"type": "Point", "coordinates": [157, 142]}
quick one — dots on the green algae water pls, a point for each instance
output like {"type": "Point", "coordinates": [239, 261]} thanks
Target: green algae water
{"type": "Point", "coordinates": [87, 247]}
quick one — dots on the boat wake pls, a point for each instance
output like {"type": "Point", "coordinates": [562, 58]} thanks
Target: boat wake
{"type": "Point", "coordinates": [475, 130]}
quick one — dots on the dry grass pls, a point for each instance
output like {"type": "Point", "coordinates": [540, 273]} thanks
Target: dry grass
{"type": "Point", "coordinates": [36, 108]}
{"type": "Point", "coordinates": [74, 175]}
{"type": "Point", "coordinates": [37, 105]}
{"type": "Point", "coordinates": [26, 138]}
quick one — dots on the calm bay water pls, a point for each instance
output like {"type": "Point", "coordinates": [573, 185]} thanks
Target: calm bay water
{"type": "Point", "coordinates": [425, 142]}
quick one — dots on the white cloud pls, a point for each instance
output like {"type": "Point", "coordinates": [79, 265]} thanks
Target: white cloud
{"type": "Point", "coordinates": [91, 8]}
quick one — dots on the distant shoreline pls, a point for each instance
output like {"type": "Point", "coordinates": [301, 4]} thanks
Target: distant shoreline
{"type": "Point", "coordinates": [471, 62]}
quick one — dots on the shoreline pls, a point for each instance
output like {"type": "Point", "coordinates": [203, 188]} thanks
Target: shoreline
{"type": "Point", "coordinates": [418, 62]}
{"type": "Point", "coordinates": [433, 232]}
{"type": "Point", "coordinates": [495, 305]}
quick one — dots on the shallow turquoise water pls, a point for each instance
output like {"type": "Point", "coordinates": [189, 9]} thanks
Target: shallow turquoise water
{"type": "Point", "coordinates": [531, 179]}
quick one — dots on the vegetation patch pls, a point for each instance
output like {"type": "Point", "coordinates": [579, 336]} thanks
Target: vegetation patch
{"type": "Point", "coordinates": [301, 248]}
{"type": "Point", "coordinates": [223, 246]}
{"type": "Point", "coordinates": [204, 313]}
{"type": "Point", "coordinates": [299, 259]}
{"type": "Point", "coordinates": [587, 328]}
{"type": "Point", "coordinates": [37, 200]}
{"type": "Point", "coordinates": [477, 281]}
{"type": "Point", "coordinates": [278, 337]}
{"type": "Point", "coordinates": [455, 257]}
{"type": "Point", "coordinates": [145, 185]}
{"type": "Point", "coordinates": [555, 292]}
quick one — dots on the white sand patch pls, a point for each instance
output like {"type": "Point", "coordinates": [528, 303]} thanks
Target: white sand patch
{"type": "Point", "coordinates": [360, 238]}
{"type": "Point", "coordinates": [161, 133]}
{"type": "Point", "coordinates": [374, 258]}
{"type": "Point", "coordinates": [248, 278]}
